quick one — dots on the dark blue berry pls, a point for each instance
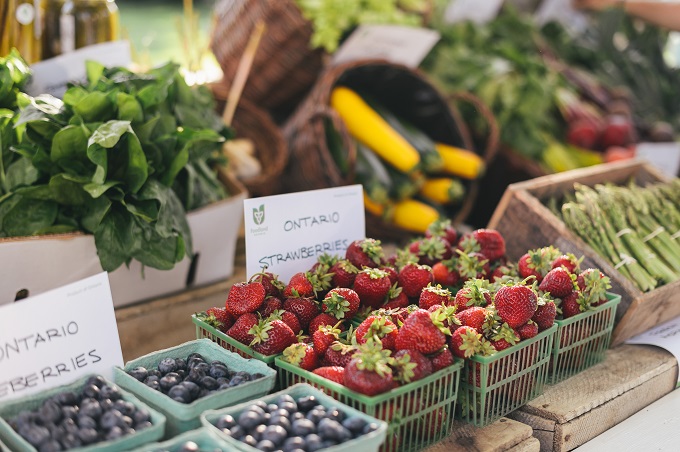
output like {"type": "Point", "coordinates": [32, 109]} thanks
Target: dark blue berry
{"type": "Point", "coordinates": [70, 441]}
{"type": "Point", "coordinates": [87, 435]}
{"type": "Point", "coordinates": [115, 433]}
{"type": "Point", "coordinates": [226, 421]}
{"type": "Point", "coordinates": [218, 371]}
{"type": "Point", "coordinates": [111, 419]}
{"type": "Point", "coordinates": [307, 403]}
{"type": "Point", "coordinates": [237, 431]}
{"type": "Point", "coordinates": [90, 408]}
{"type": "Point", "coordinates": [110, 392]}
{"type": "Point", "coordinates": [294, 443]}
{"type": "Point", "coordinates": [209, 383]}
{"type": "Point", "coordinates": [91, 391]}
{"type": "Point", "coordinates": [139, 373]}
{"type": "Point", "coordinates": [169, 380]}
{"type": "Point", "coordinates": [141, 415]}
{"type": "Point", "coordinates": [249, 419]}
{"type": "Point", "coordinates": [371, 427]}
{"type": "Point", "coordinates": [126, 408]}
{"type": "Point", "coordinates": [153, 384]}
{"type": "Point", "coordinates": [181, 364]}
{"type": "Point", "coordinates": [143, 425]}
{"type": "Point", "coordinates": [85, 421]}
{"type": "Point", "coordinates": [50, 412]}
{"type": "Point", "coordinates": [236, 380]}
{"type": "Point", "coordinates": [355, 425]}
{"type": "Point", "coordinates": [66, 398]}
{"type": "Point", "coordinates": [167, 365]}
{"type": "Point", "coordinates": [333, 430]}
{"type": "Point", "coordinates": [314, 442]}
{"type": "Point", "coordinates": [303, 427]}
{"type": "Point", "coordinates": [249, 440]}
{"type": "Point", "coordinates": [35, 434]}
{"type": "Point", "coordinates": [275, 433]}
{"type": "Point", "coordinates": [155, 373]}
{"type": "Point", "coordinates": [265, 446]}
{"type": "Point", "coordinates": [96, 380]}
{"type": "Point", "coordinates": [51, 445]}
{"type": "Point", "coordinates": [258, 431]}
{"type": "Point", "coordinates": [180, 394]}
{"type": "Point", "coordinates": [315, 415]}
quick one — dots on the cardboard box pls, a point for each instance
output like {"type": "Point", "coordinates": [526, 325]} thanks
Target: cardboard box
{"type": "Point", "coordinates": [38, 264]}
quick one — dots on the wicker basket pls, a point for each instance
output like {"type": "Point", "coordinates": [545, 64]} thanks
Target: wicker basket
{"type": "Point", "coordinates": [403, 90]}
{"type": "Point", "coordinates": [285, 65]}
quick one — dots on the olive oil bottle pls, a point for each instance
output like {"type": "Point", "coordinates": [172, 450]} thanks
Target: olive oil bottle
{"type": "Point", "coordinates": [22, 27]}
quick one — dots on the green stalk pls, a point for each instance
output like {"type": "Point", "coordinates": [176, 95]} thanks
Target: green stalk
{"type": "Point", "coordinates": [664, 216]}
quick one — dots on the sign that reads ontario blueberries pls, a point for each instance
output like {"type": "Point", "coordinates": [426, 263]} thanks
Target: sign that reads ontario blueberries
{"type": "Point", "coordinates": [286, 233]}
{"type": "Point", "coordinates": [57, 337]}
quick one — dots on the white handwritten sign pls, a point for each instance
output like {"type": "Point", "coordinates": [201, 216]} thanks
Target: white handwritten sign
{"type": "Point", "coordinates": [57, 337]}
{"type": "Point", "coordinates": [664, 156]}
{"type": "Point", "coordinates": [286, 233]}
{"type": "Point", "coordinates": [666, 336]}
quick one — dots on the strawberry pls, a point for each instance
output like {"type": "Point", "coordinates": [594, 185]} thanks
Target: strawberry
{"type": "Point", "coordinates": [502, 272]}
{"type": "Point", "coordinates": [273, 287]}
{"type": "Point", "coordinates": [443, 228]}
{"type": "Point", "coordinates": [365, 253]}
{"type": "Point", "coordinates": [333, 373]}
{"type": "Point", "coordinates": [341, 302]}
{"type": "Point", "coordinates": [323, 337]}
{"type": "Point", "coordinates": [305, 309]}
{"type": "Point", "coordinates": [572, 304]}
{"type": "Point", "coordinates": [442, 360]}
{"type": "Point", "coordinates": [245, 297]}
{"type": "Point", "coordinates": [240, 330]}
{"type": "Point", "coordinates": [301, 355]}
{"type": "Point", "coordinates": [369, 371]}
{"type": "Point", "coordinates": [320, 320]}
{"type": "Point", "coordinates": [379, 328]}
{"type": "Point", "coordinates": [431, 250]}
{"type": "Point", "coordinates": [489, 242]}
{"type": "Point", "coordinates": [594, 285]}
{"type": "Point", "coordinates": [537, 262]}
{"type": "Point", "coordinates": [219, 318]}
{"type": "Point", "coordinates": [413, 278]}
{"type": "Point", "coordinates": [432, 295]}
{"type": "Point", "coordinates": [505, 337]}
{"type": "Point", "coordinates": [472, 266]}
{"type": "Point", "coordinates": [396, 298]}
{"type": "Point", "coordinates": [558, 281]}
{"type": "Point", "coordinates": [473, 317]}
{"type": "Point", "coordinates": [339, 354]}
{"type": "Point", "coordinates": [423, 331]}
{"type": "Point", "coordinates": [475, 292]}
{"type": "Point", "coordinates": [568, 261]}
{"type": "Point", "coordinates": [289, 319]}
{"type": "Point", "coordinates": [465, 342]}
{"type": "Point", "coordinates": [324, 262]}
{"type": "Point", "coordinates": [271, 337]}
{"type": "Point", "coordinates": [344, 273]}
{"type": "Point", "coordinates": [372, 285]}
{"type": "Point", "coordinates": [448, 316]}
{"type": "Point", "coordinates": [545, 315]}
{"type": "Point", "coordinates": [516, 304]}
{"type": "Point", "coordinates": [445, 273]}
{"type": "Point", "coordinates": [270, 305]}
{"type": "Point", "coordinates": [528, 330]}
{"type": "Point", "coordinates": [299, 285]}
{"type": "Point", "coordinates": [411, 365]}
{"type": "Point", "coordinates": [392, 273]}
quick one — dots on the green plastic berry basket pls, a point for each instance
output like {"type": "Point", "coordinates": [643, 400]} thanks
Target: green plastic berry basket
{"type": "Point", "coordinates": [581, 341]}
{"type": "Point", "coordinates": [203, 330]}
{"type": "Point", "coordinates": [206, 439]}
{"type": "Point", "coordinates": [182, 417]}
{"type": "Point", "coordinates": [418, 414]}
{"type": "Point", "coordinates": [366, 443]}
{"type": "Point", "coordinates": [493, 386]}
{"type": "Point", "coordinates": [15, 443]}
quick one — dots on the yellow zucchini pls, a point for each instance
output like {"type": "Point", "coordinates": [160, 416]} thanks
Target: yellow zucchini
{"type": "Point", "coordinates": [373, 207]}
{"type": "Point", "coordinates": [443, 190]}
{"type": "Point", "coordinates": [460, 162]}
{"type": "Point", "coordinates": [413, 215]}
{"type": "Point", "coordinates": [367, 126]}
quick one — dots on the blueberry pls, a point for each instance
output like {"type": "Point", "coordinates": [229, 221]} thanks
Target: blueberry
{"type": "Point", "coordinates": [154, 384]}
{"type": "Point", "coordinates": [333, 430]}
{"type": "Point", "coordinates": [257, 375]}
{"type": "Point", "coordinates": [236, 380]}
{"type": "Point", "coordinates": [91, 391]}
{"type": "Point", "coordinates": [244, 374]}
{"type": "Point", "coordinates": [66, 398]}
{"type": "Point", "coordinates": [126, 408]}
{"type": "Point", "coordinates": [23, 418]}
{"type": "Point", "coordinates": [283, 422]}
{"type": "Point", "coordinates": [96, 380]}
{"type": "Point", "coordinates": [203, 393]}
{"type": "Point", "coordinates": [141, 415]}
{"type": "Point", "coordinates": [307, 403]}
{"type": "Point", "coordinates": [180, 394]}
{"type": "Point", "coordinates": [202, 367]}
{"type": "Point", "coordinates": [111, 419]}
{"type": "Point", "coordinates": [139, 373]}
{"type": "Point", "coordinates": [249, 419]}
{"type": "Point", "coordinates": [69, 412]}
{"type": "Point", "coordinates": [218, 370]}
{"type": "Point", "coordinates": [285, 398]}
{"type": "Point", "coordinates": [291, 407]}
{"type": "Point", "coordinates": [249, 440]}
{"type": "Point", "coordinates": [35, 434]}
{"type": "Point", "coordinates": [371, 427]}
{"type": "Point", "coordinates": [314, 442]}
{"type": "Point", "coordinates": [155, 373]}
{"type": "Point", "coordinates": [90, 408]}
{"type": "Point", "coordinates": [335, 414]}
{"type": "Point", "coordinates": [280, 412]}
{"type": "Point", "coordinates": [106, 404]}
{"type": "Point", "coordinates": [303, 427]}
{"type": "Point", "coordinates": [272, 407]}
{"type": "Point", "coordinates": [69, 425]}
{"type": "Point", "coordinates": [85, 421]}
{"type": "Point", "coordinates": [195, 355]}
{"type": "Point", "coordinates": [275, 433]}
{"type": "Point", "coordinates": [325, 444]}
{"type": "Point", "coordinates": [110, 392]}
{"type": "Point", "coordinates": [50, 411]}
{"type": "Point", "coordinates": [115, 433]}
{"type": "Point", "coordinates": [237, 431]}
{"type": "Point", "coordinates": [167, 365]}
{"type": "Point", "coordinates": [71, 441]}
{"type": "Point", "coordinates": [151, 378]}
{"type": "Point", "coordinates": [143, 425]}
{"type": "Point", "coordinates": [168, 381]}
{"type": "Point", "coordinates": [355, 425]}
{"type": "Point", "coordinates": [209, 383]}
{"type": "Point", "coordinates": [265, 446]}
{"type": "Point", "coordinates": [298, 415]}
{"type": "Point", "coordinates": [56, 431]}
{"type": "Point", "coordinates": [181, 364]}
{"type": "Point", "coordinates": [182, 373]}
{"type": "Point", "coordinates": [226, 421]}
{"type": "Point", "coordinates": [294, 443]}
{"type": "Point", "coordinates": [87, 435]}
{"type": "Point", "coordinates": [189, 446]}
{"type": "Point", "coordinates": [258, 431]}
{"type": "Point", "coordinates": [315, 415]}
{"type": "Point", "coordinates": [51, 445]}
{"type": "Point", "coordinates": [194, 376]}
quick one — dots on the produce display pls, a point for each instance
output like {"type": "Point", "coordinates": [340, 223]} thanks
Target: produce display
{"type": "Point", "coordinates": [190, 446]}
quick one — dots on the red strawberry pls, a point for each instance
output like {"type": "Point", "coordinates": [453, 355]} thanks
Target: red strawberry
{"type": "Point", "coordinates": [322, 319]}
{"type": "Point", "coordinates": [333, 373]}
{"type": "Point", "coordinates": [301, 355]}
{"type": "Point", "coordinates": [392, 273]}
{"type": "Point", "coordinates": [365, 253]}
{"type": "Point", "coordinates": [593, 285]}
{"type": "Point", "coordinates": [324, 262]}
{"type": "Point", "coordinates": [472, 266]}
{"type": "Point", "coordinates": [339, 354]}
{"type": "Point", "coordinates": [475, 292]}
{"type": "Point", "coordinates": [273, 287]}
{"type": "Point", "coordinates": [305, 309]}
{"type": "Point", "coordinates": [372, 285]}
{"type": "Point", "coordinates": [505, 337]}
{"type": "Point", "coordinates": [324, 337]}
{"type": "Point", "coordinates": [413, 278]}
{"type": "Point", "coordinates": [221, 318]}
{"type": "Point", "coordinates": [558, 282]}
{"type": "Point", "coordinates": [341, 302]}
{"type": "Point", "coordinates": [443, 228]}
{"type": "Point", "coordinates": [545, 315]}
{"type": "Point", "coordinates": [291, 320]}
{"type": "Point", "coordinates": [500, 344]}
{"type": "Point", "coordinates": [489, 242]}
{"type": "Point", "coordinates": [270, 305]}
{"type": "Point", "coordinates": [537, 262]}
{"type": "Point", "coordinates": [423, 331]}
{"type": "Point", "coordinates": [445, 273]}
{"type": "Point", "coordinates": [240, 330]}
{"type": "Point", "coordinates": [377, 327]}
{"type": "Point", "coordinates": [271, 337]}
{"type": "Point", "coordinates": [369, 371]}
{"type": "Point", "coordinates": [571, 304]}
{"type": "Point", "coordinates": [516, 304]}
{"type": "Point", "coordinates": [465, 342]}
{"type": "Point", "coordinates": [411, 365]}
{"type": "Point", "coordinates": [431, 250]}
{"type": "Point", "coordinates": [432, 295]}
{"type": "Point", "coordinates": [473, 317]}
{"type": "Point", "coordinates": [448, 316]}
{"type": "Point", "coordinates": [299, 286]}
{"type": "Point", "coordinates": [528, 330]}
{"type": "Point", "coordinates": [442, 360]}
{"type": "Point", "coordinates": [501, 271]}
{"type": "Point", "coordinates": [568, 261]}
{"type": "Point", "coordinates": [344, 273]}
{"type": "Point", "coordinates": [245, 297]}
{"type": "Point", "coordinates": [396, 298]}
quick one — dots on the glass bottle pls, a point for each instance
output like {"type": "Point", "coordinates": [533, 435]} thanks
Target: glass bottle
{"type": "Point", "coordinates": [22, 27]}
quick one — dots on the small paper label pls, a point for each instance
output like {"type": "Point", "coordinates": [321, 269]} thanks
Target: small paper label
{"type": "Point", "coordinates": [476, 11]}
{"type": "Point", "coordinates": [666, 336]}
{"type": "Point", "coordinates": [286, 233]}
{"type": "Point", "coordinates": [52, 76]}
{"type": "Point", "coordinates": [664, 156]}
{"type": "Point", "coordinates": [394, 43]}
{"type": "Point", "coordinates": [25, 13]}
{"type": "Point", "coordinates": [57, 337]}
{"type": "Point", "coordinates": [564, 13]}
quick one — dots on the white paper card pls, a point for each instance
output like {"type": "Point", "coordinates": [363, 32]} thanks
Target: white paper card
{"type": "Point", "coordinates": [287, 232]}
{"type": "Point", "coordinates": [51, 76]}
{"type": "Point", "coordinates": [58, 336]}
{"type": "Point", "coordinates": [476, 11]}
{"type": "Point", "coordinates": [664, 156]}
{"type": "Point", "coordinates": [563, 12]}
{"type": "Point", "coordinates": [666, 336]}
{"type": "Point", "coordinates": [394, 43]}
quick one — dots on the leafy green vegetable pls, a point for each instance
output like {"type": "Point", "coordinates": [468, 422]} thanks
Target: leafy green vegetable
{"type": "Point", "coordinates": [123, 157]}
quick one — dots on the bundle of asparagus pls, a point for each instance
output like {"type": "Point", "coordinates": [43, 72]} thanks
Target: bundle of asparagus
{"type": "Point", "coordinates": [637, 229]}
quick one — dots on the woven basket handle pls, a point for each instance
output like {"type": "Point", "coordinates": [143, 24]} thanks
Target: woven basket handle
{"type": "Point", "coordinates": [493, 139]}
{"type": "Point", "coordinates": [322, 112]}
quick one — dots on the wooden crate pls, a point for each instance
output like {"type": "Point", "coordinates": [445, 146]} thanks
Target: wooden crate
{"type": "Point", "coordinates": [504, 435]}
{"type": "Point", "coordinates": [526, 223]}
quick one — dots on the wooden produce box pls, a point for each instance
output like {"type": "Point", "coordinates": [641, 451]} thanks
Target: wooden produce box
{"type": "Point", "coordinates": [526, 223]}
{"type": "Point", "coordinates": [584, 406]}
{"type": "Point", "coordinates": [504, 435]}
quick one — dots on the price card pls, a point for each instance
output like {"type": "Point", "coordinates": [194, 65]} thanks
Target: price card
{"type": "Point", "coordinates": [666, 336]}
{"type": "Point", "coordinates": [286, 233]}
{"type": "Point", "coordinates": [57, 337]}
{"type": "Point", "coordinates": [52, 76]}
{"type": "Point", "coordinates": [664, 156]}
{"type": "Point", "coordinates": [476, 11]}
{"type": "Point", "coordinates": [395, 43]}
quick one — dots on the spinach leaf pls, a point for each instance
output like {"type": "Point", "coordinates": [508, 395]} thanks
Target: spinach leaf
{"type": "Point", "coordinates": [116, 238]}
{"type": "Point", "coordinates": [28, 216]}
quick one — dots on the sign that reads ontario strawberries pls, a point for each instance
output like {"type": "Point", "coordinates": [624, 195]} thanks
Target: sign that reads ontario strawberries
{"type": "Point", "coordinates": [286, 233]}
{"type": "Point", "coordinates": [57, 337]}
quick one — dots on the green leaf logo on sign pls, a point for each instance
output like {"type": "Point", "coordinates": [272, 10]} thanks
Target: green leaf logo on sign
{"type": "Point", "coordinates": [258, 215]}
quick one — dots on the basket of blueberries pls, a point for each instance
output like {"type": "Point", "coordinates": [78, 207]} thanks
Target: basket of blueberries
{"type": "Point", "coordinates": [88, 414]}
{"type": "Point", "coordinates": [198, 440]}
{"type": "Point", "coordinates": [298, 418]}
{"type": "Point", "coordinates": [184, 381]}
